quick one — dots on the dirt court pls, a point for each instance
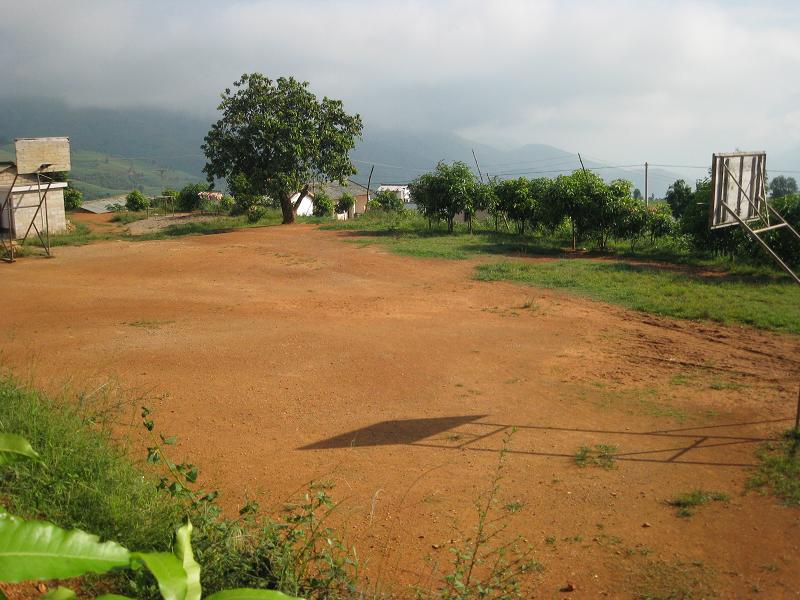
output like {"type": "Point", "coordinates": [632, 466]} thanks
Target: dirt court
{"type": "Point", "coordinates": [282, 355]}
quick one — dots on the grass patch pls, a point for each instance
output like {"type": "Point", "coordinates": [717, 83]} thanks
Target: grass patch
{"type": "Point", "coordinates": [85, 480]}
{"type": "Point", "coordinates": [602, 455]}
{"type": "Point", "coordinates": [660, 580]}
{"type": "Point", "coordinates": [687, 502]}
{"type": "Point", "coordinates": [748, 301]}
{"type": "Point", "coordinates": [125, 217]}
{"type": "Point", "coordinates": [779, 472]}
{"type": "Point", "coordinates": [147, 324]}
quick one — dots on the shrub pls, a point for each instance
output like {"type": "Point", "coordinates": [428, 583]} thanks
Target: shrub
{"type": "Point", "coordinates": [188, 199]}
{"type": "Point", "coordinates": [323, 205]}
{"type": "Point", "coordinates": [136, 201]}
{"type": "Point", "coordinates": [345, 203]}
{"type": "Point", "coordinates": [226, 204]}
{"type": "Point", "coordinates": [72, 198]}
{"type": "Point", "coordinates": [255, 213]}
{"type": "Point", "coordinates": [387, 200]}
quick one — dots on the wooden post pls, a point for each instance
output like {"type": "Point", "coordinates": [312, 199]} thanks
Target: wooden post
{"type": "Point", "coordinates": [797, 415]}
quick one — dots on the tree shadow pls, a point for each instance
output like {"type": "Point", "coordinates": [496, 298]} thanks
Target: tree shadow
{"type": "Point", "coordinates": [684, 446]}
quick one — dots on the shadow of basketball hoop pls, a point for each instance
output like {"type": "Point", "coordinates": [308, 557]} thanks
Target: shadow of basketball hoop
{"type": "Point", "coordinates": [702, 445]}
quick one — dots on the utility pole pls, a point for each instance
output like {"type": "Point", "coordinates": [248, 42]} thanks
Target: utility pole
{"type": "Point", "coordinates": [369, 182]}
{"type": "Point", "coordinates": [476, 165]}
{"type": "Point", "coordinates": [646, 197]}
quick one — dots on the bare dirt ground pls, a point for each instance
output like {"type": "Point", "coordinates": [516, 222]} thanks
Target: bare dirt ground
{"type": "Point", "coordinates": [102, 223]}
{"type": "Point", "coordinates": [282, 355]}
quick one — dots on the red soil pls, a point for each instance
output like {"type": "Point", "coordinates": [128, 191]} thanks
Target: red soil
{"type": "Point", "coordinates": [283, 355]}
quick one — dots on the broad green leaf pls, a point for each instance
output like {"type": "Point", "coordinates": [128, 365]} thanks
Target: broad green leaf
{"type": "Point", "coordinates": [14, 448]}
{"type": "Point", "coordinates": [39, 550]}
{"type": "Point", "coordinates": [183, 550]}
{"type": "Point", "coordinates": [113, 597]}
{"type": "Point", "coordinates": [168, 571]}
{"type": "Point", "coordinates": [250, 594]}
{"type": "Point", "coordinates": [59, 593]}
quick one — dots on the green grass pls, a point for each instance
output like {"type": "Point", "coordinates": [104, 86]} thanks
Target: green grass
{"type": "Point", "coordinates": [82, 234]}
{"type": "Point", "coordinates": [87, 480]}
{"type": "Point", "coordinates": [685, 503]}
{"type": "Point", "coordinates": [602, 455]}
{"type": "Point", "coordinates": [125, 217]}
{"type": "Point", "coordinates": [84, 480]}
{"type": "Point", "coordinates": [779, 471]}
{"type": "Point", "coordinates": [766, 304]}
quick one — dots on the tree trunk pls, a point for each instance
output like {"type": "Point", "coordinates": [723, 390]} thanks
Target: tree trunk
{"type": "Point", "coordinates": [288, 210]}
{"type": "Point", "coordinates": [572, 222]}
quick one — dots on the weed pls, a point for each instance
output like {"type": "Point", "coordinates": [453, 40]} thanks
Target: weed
{"type": "Point", "coordinates": [514, 507]}
{"type": "Point", "coordinates": [483, 566]}
{"type": "Point", "coordinates": [779, 471]}
{"type": "Point", "coordinates": [530, 304]}
{"type": "Point", "coordinates": [680, 379]}
{"type": "Point", "coordinates": [719, 384]}
{"type": "Point", "coordinates": [550, 540]}
{"type": "Point", "coordinates": [601, 456]}
{"type": "Point", "coordinates": [689, 500]}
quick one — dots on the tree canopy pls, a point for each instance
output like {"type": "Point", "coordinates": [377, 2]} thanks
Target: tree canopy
{"type": "Point", "coordinates": [280, 137]}
{"type": "Point", "coordinates": [782, 186]}
{"type": "Point", "coordinates": [445, 192]}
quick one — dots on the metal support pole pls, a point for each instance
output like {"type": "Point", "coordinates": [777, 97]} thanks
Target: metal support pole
{"type": "Point", "coordinates": [646, 197]}
{"type": "Point", "coordinates": [8, 205]}
{"type": "Point", "coordinates": [797, 415]}
{"type": "Point", "coordinates": [764, 244]}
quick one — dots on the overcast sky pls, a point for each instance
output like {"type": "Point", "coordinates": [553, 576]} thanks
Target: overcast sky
{"type": "Point", "coordinates": [621, 80]}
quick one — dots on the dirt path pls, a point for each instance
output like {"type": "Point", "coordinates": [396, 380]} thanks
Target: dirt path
{"type": "Point", "coordinates": [283, 355]}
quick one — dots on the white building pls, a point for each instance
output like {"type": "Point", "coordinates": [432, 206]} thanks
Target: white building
{"type": "Point", "coordinates": [306, 208]}
{"type": "Point", "coordinates": [401, 189]}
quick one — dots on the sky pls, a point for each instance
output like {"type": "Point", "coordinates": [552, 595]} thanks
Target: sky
{"type": "Point", "coordinates": [624, 81]}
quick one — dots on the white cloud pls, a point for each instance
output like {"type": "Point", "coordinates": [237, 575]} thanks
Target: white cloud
{"type": "Point", "coordinates": [624, 80]}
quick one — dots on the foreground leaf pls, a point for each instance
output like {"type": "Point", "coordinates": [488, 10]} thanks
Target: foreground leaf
{"type": "Point", "coordinates": [15, 448]}
{"type": "Point", "coordinates": [183, 550]}
{"type": "Point", "coordinates": [168, 571]}
{"type": "Point", "coordinates": [39, 550]}
{"type": "Point", "coordinates": [113, 597]}
{"type": "Point", "coordinates": [250, 594]}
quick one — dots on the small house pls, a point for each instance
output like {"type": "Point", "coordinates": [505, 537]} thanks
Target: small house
{"type": "Point", "coordinates": [29, 196]}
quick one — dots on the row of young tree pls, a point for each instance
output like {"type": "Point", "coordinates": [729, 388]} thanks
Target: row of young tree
{"type": "Point", "coordinates": [593, 210]}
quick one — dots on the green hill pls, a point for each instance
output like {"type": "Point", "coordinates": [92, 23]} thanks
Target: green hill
{"type": "Point", "coordinates": [99, 175]}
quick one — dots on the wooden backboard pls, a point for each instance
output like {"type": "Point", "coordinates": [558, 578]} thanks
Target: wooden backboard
{"type": "Point", "coordinates": [42, 155]}
{"type": "Point", "coordinates": [738, 182]}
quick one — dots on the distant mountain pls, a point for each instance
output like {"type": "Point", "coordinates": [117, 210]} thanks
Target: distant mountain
{"type": "Point", "coordinates": [401, 156]}
{"type": "Point", "coordinates": [115, 150]}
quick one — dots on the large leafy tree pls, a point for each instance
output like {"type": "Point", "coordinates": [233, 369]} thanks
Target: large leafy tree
{"type": "Point", "coordinates": [782, 186]}
{"type": "Point", "coordinates": [280, 137]}
{"type": "Point", "coordinates": [679, 196]}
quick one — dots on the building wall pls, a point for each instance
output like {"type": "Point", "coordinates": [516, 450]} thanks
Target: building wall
{"type": "Point", "coordinates": [25, 204]}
